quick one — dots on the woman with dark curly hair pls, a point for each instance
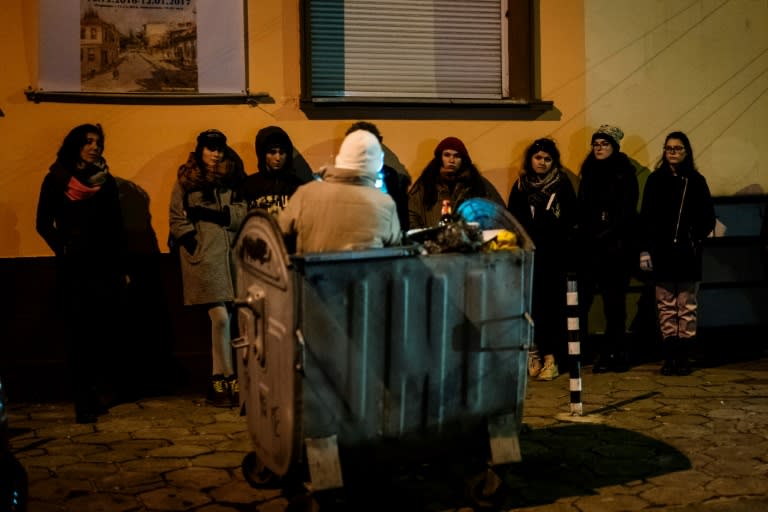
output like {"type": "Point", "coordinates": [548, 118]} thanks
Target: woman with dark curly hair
{"type": "Point", "coordinates": [206, 210]}
{"type": "Point", "coordinates": [449, 175]}
{"type": "Point", "coordinates": [79, 216]}
{"type": "Point", "coordinates": [544, 202]}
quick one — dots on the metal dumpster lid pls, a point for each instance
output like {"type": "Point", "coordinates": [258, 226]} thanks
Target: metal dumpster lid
{"type": "Point", "coordinates": [267, 347]}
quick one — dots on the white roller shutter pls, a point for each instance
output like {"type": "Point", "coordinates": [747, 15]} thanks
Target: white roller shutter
{"type": "Point", "coordinates": [406, 48]}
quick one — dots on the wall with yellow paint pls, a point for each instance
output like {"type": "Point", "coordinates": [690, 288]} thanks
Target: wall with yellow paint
{"type": "Point", "coordinates": [599, 62]}
{"type": "Point", "coordinates": [699, 66]}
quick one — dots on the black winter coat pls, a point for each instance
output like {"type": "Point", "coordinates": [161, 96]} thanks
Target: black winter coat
{"type": "Point", "coordinates": [551, 226]}
{"type": "Point", "coordinates": [607, 207]}
{"type": "Point", "coordinates": [676, 215]}
{"type": "Point", "coordinates": [88, 230]}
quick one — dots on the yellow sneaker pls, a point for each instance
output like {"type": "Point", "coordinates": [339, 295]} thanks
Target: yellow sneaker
{"type": "Point", "coordinates": [549, 371]}
{"type": "Point", "coordinates": [534, 363]}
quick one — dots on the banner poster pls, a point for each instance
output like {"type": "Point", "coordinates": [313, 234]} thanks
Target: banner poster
{"type": "Point", "coordinates": [138, 46]}
{"type": "Point", "coordinates": [157, 47]}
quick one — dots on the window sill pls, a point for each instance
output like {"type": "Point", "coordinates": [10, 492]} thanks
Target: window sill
{"type": "Point", "coordinates": [425, 108]}
{"type": "Point", "coordinates": [39, 96]}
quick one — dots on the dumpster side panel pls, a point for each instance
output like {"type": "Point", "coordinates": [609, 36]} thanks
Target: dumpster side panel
{"type": "Point", "coordinates": [413, 346]}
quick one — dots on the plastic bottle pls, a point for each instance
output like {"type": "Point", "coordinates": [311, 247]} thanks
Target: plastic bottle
{"type": "Point", "coordinates": [446, 213]}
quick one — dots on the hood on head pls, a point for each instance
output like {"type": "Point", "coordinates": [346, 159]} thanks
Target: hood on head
{"type": "Point", "coordinates": [269, 137]}
{"type": "Point", "coordinates": [360, 155]}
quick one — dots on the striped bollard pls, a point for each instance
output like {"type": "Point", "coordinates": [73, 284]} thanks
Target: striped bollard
{"type": "Point", "coordinates": [574, 346]}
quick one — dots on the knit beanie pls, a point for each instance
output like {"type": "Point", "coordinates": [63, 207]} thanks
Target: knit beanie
{"type": "Point", "coordinates": [456, 145]}
{"type": "Point", "coordinates": [211, 139]}
{"type": "Point", "coordinates": [612, 134]}
{"type": "Point", "coordinates": [362, 152]}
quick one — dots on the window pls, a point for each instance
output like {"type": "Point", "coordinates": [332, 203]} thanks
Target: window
{"type": "Point", "coordinates": [438, 51]}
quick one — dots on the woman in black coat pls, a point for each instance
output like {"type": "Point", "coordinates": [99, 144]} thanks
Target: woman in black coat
{"type": "Point", "coordinates": [676, 215]}
{"type": "Point", "coordinates": [544, 202]}
{"type": "Point", "coordinates": [607, 223]}
{"type": "Point", "coordinates": [79, 217]}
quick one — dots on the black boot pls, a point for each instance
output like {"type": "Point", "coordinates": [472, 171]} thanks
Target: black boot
{"type": "Point", "coordinates": [621, 362]}
{"type": "Point", "coordinates": [604, 362]}
{"type": "Point", "coordinates": [683, 364]}
{"type": "Point", "coordinates": [669, 349]}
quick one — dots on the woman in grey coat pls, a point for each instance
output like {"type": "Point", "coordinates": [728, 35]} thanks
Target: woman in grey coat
{"type": "Point", "coordinates": [207, 207]}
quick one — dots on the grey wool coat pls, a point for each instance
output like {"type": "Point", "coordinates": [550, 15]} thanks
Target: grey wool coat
{"type": "Point", "coordinates": [207, 274]}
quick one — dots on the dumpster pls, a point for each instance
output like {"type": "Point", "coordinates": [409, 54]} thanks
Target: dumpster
{"type": "Point", "coordinates": [384, 345]}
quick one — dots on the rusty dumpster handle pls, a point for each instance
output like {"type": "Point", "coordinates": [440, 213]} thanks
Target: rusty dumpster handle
{"type": "Point", "coordinates": [255, 304]}
{"type": "Point", "coordinates": [302, 345]}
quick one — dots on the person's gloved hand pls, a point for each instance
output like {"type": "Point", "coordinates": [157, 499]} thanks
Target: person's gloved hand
{"type": "Point", "coordinates": [196, 213]}
{"type": "Point", "coordinates": [646, 265]}
{"type": "Point", "coordinates": [189, 242]}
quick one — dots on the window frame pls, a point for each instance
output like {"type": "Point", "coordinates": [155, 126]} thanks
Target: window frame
{"type": "Point", "coordinates": [520, 89]}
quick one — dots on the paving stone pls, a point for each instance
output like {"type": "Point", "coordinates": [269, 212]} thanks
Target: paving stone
{"type": "Point", "coordinates": [199, 478]}
{"type": "Point", "coordinates": [130, 482]}
{"type": "Point", "coordinates": [76, 449]}
{"type": "Point", "coordinates": [50, 461]}
{"type": "Point", "coordinates": [159, 433]}
{"type": "Point", "coordinates": [154, 465]}
{"type": "Point", "coordinates": [740, 486]}
{"type": "Point", "coordinates": [241, 493]}
{"type": "Point", "coordinates": [59, 489]}
{"type": "Point", "coordinates": [86, 470]}
{"type": "Point", "coordinates": [220, 460]}
{"type": "Point", "coordinates": [602, 503]}
{"type": "Point", "coordinates": [100, 437]}
{"type": "Point", "coordinates": [179, 451]}
{"type": "Point", "coordinates": [103, 502]}
{"type": "Point", "coordinates": [676, 495]}
{"type": "Point", "coordinates": [173, 499]}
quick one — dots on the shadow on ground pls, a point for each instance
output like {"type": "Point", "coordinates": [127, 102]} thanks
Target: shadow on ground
{"type": "Point", "coordinates": [560, 461]}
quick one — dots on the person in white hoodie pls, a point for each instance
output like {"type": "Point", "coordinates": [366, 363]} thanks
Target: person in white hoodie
{"type": "Point", "coordinates": [344, 210]}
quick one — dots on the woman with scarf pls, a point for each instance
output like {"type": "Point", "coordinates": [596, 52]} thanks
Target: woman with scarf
{"type": "Point", "coordinates": [544, 202]}
{"type": "Point", "coordinates": [79, 217]}
{"type": "Point", "coordinates": [449, 175]}
{"type": "Point", "coordinates": [207, 207]}
{"type": "Point", "coordinates": [607, 223]}
{"type": "Point", "coordinates": [677, 214]}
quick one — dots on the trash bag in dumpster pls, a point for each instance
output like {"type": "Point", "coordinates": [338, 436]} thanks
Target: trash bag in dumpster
{"type": "Point", "coordinates": [363, 347]}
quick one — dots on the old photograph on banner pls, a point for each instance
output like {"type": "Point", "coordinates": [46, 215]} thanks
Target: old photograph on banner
{"type": "Point", "coordinates": [138, 46]}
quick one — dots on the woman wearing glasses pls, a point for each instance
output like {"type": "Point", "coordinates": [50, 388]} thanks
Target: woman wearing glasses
{"type": "Point", "coordinates": [676, 215]}
{"type": "Point", "coordinates": [607, 220]}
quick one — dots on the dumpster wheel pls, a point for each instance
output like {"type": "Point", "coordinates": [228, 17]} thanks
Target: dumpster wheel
{"type": "Point", "coordinates": [483, 488]}
{"type": "Point", "coordinates": [257, 474]}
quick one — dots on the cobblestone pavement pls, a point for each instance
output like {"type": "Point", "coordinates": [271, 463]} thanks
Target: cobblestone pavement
{"type": "Point", "coordinates": [644, 442]}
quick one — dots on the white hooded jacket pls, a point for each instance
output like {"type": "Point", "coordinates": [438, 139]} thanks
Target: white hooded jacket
{"type": "Point", "coordinates": [344, 211]}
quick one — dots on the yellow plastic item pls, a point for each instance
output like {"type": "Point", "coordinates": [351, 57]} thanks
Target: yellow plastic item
{"type": "Point", "coordinates": [504, 241]}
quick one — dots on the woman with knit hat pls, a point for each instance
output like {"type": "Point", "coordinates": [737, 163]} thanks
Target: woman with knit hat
{"type": "Point", "coordinates": [276, 179]}
{"type": "Point", "coordinates": [344, 210]}
{"type": "Point", "coordinates": [449, 175]}
{"type": "Point", "coordinates": [207, 207]}
{"type": "Point", "coordinates": [607, 220]}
